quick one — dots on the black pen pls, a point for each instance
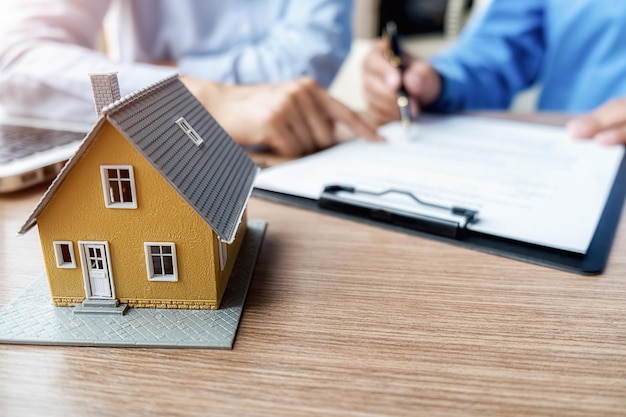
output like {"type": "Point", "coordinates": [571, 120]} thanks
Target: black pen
{"type": "Point", "coordinates": [396, 60]}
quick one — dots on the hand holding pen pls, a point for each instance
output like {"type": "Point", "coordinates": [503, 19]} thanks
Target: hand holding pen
{"type": "Point", "coordinates": [396, 57]}
{"type": "Point", "coordinates": [386, 84]}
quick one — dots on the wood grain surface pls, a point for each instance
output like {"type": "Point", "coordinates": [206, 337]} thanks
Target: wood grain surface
{"type": "Point", "coordinates": [345, 319]}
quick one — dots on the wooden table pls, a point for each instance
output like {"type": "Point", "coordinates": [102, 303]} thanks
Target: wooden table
{"type": "Point", "coordinates": [344, 319]}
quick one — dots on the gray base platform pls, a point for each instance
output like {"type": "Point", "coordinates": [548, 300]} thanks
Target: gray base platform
{"type": "Point", "coordinates": [32, 319]}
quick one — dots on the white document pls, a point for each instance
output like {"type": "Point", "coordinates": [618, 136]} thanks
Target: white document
{"type": "Point", "coordinates": [531, 183]}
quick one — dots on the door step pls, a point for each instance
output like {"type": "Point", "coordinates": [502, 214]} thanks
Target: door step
{"type": "Point", "coordinates": [93, 306]}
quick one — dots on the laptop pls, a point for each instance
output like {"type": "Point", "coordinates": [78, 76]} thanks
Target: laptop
{"type": "Point", "coordinates": [34, 151]}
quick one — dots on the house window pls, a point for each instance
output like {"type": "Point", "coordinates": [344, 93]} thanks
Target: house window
{"type": "Point", "coordinates": [64, 253]}
{"type": "Point", "coordinates": [223, 249]}
{"type": "Point", "coordinates": [161, 261]}
{"type": "Point", "coordinates": [189, 131]}
{"type": "Point", "coordinates": [118, 186]}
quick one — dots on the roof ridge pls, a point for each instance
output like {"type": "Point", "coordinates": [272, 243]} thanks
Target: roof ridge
{"type": "Point", "coordinates": [136, 95]}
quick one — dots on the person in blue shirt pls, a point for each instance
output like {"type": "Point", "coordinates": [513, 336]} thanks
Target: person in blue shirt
{"type": "Point", "coordinates": [260, 67]}
{"type": "Point", "coordinates": [574, 50]}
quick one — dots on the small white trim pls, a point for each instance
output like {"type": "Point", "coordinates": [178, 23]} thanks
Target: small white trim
{"type": "Point", "coordinates": [108, 203]}
{"type": "Point", "coordinates": [58, 254]}
{"type": "Point", "coordinates": [150, 268]}
{"type": "Point", "coordinates": [231, 239]}
{"type": "Point", "coordinates": [223, 250]}
{"type": "Point", "coordinates": [189, 131]}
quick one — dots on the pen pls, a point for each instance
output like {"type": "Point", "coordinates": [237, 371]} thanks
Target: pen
{"type": "Point", "coordinates": [395, 58]}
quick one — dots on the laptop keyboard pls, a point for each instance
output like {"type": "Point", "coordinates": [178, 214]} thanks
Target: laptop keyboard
{"type": "Point", "coordinates": [20, 141]}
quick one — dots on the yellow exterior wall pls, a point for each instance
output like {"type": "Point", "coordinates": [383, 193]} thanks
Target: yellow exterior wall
{"type": "Point", "coordinates": [77, 212]}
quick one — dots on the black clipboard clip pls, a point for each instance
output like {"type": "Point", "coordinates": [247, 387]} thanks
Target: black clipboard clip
{"type": "Point", "coordinates": [331, 200]}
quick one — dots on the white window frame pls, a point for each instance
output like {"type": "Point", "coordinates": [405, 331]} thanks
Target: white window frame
{"type": "Point", "coordinates": [223, 250]}
{"type": "Point", "coordinates": [189, 131]}
{"type": "Point", "coordinates": [58, 254]}
{"type": "Point", "coordinates": [104, 174]}
{"type": "Point", "coordinates": [150, 266]}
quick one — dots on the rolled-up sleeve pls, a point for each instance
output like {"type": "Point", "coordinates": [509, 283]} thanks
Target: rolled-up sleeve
{"type": "Point", "coordinates": [47, 50]}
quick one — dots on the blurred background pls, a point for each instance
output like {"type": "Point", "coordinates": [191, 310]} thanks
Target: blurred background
{"type": "Point", "coordinates": [443, 17]}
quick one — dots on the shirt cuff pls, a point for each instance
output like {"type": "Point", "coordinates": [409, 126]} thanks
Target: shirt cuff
{"type": "Point", "coordinates": [450, 99]}
{"type": "Point", "coordinates": [445, 103]}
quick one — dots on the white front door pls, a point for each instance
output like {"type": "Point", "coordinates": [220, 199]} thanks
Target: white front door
{"type": "Point", "coordinates": [96, 270]}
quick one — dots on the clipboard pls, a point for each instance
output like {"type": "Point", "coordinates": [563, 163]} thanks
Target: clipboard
{"type": "Point", "coordinates": [593, 262]}
{"type": "Point", "coordinates": [291, 186]}
{"type": "Point", "coordinates": [453, 226]}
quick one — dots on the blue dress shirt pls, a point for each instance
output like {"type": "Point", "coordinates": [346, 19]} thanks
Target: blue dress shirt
{"type": "Point", "coordinates": [574, 49]}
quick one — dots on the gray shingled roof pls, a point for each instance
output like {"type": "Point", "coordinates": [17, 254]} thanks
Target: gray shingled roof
{"type": "Point", "coordinates": [215, 178]}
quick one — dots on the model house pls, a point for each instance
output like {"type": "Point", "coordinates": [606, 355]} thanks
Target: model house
{"type": "Point", "coordinates": [151, 210]}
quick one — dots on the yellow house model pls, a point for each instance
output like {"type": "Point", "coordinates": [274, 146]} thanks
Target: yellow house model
{"type": "Point", "coordinates": [150, 211]}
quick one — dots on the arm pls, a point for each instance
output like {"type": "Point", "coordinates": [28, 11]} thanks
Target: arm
{"type": "Point", "coordinates": [47, 48]}
{"type": "Point", "coordinates": [292, 118]}
{"type": "Point", "coordinates": [498, 54]}
{"type": "Point", "coordinates": [311, 38]}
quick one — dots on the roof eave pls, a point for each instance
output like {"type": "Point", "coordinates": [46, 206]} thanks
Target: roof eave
{"type": "Point", "coordinates": [231, 238]}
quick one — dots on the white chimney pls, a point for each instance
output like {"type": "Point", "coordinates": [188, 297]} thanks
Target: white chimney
{"type": "Point", "coordinates": [106, 89]}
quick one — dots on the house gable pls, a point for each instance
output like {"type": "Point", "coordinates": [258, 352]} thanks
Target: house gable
{"type": "Point", "coordinates": [216, 176]}
{"type": "Point", "coordinates": [77, 212]}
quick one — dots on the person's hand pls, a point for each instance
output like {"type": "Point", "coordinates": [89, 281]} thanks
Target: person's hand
{"type": "Point", "coordinates": [606, 124]}
{"type": "Point", "coordinates": [382, 82]}
{"type": "Point", "coordinates": [292, 118]}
